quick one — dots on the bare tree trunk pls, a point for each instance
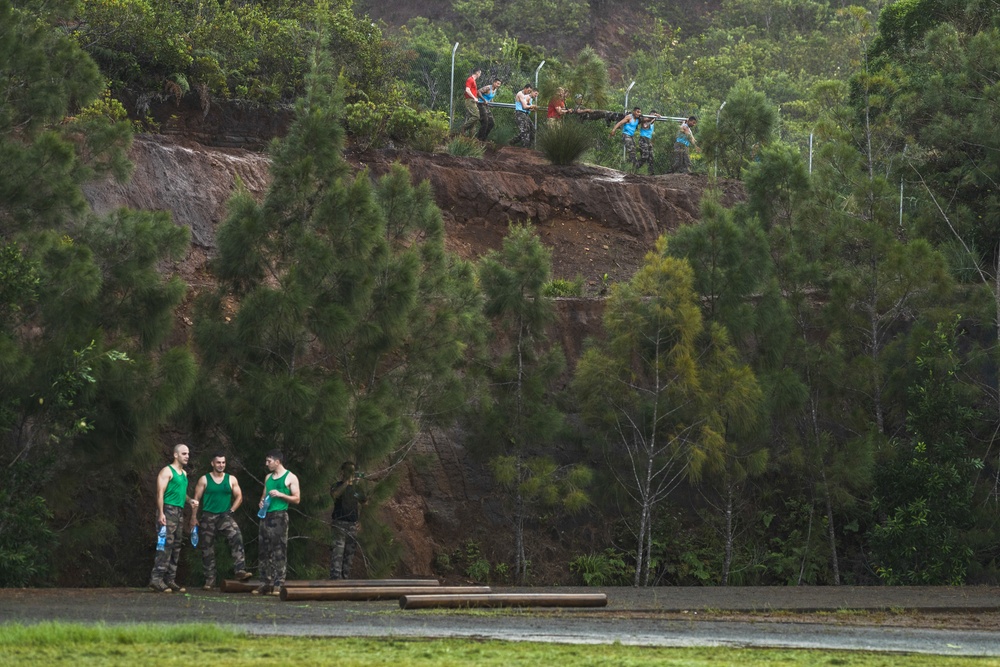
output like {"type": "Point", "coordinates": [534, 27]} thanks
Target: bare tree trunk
{"type": "Point", "coordinates": [520, 562]}
{"type": "Point", "coordinates": [831, 533]}
{"type": "Point", "coordinates": [640, 550]}
{"type": "Point", "coordinates": [805, 552]}
{"type": "Point", "coordinates": [727, 560]}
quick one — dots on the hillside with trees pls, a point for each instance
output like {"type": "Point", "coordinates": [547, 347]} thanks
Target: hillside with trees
{"type": "Point", "coordinates": [800, 386]}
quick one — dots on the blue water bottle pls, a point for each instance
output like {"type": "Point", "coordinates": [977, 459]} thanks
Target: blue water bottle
{"type": "Point", "coordinates": [194, 536]}
{"type": "Point", "coordinates": [161, 539]}
{"type": "Point", "coordinates": [263, 510]}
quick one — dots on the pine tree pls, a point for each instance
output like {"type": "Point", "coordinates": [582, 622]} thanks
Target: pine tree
{"type": "Point", "coordinates": [661, 389]}
{"type": "Point", "coordinates": [733, 274]}
{"type": "Point", "coordinates": [86, 379]}
{"type": "Point", "coordinates": [521, 418]}
{"type": "Point", "coordinates": [339, 322]}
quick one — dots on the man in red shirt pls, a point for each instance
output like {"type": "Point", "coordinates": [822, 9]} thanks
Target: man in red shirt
{"type": "Point", "coordinates": [471, 99]}
{"type": "Point", "coordinates": [557, 106]}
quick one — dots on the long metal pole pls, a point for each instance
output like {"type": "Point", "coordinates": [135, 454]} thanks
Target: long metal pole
{"type": "Point", "coordinates": [537, 70]}
{"type": "Point", "coordinates": [718, 114]}
{"type": "Point", "coordinates": [900, 202]}
{"type": "Point", "coordinates": [451, 109]}
{"type": "Point", "coordinates": [810, 153]}
{"type": "Point", "coordinates": [627, 91]}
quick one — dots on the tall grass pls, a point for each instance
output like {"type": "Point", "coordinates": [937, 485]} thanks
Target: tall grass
{"type": "Point", "coordinates": [465, 147]}
{"type": "Point", "coordinates": [564, 142]}
{"type": "Point", "coordinates": [49, 634]}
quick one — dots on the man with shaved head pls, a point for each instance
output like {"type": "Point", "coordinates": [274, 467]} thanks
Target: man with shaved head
{"type": "Point", "coordinates": [171, 496]}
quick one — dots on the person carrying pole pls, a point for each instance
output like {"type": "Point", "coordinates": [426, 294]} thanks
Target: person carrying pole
{"type": "Point", "coordinates": [471, 102]}
{"type": "Point", "coordinates": [486, 122]}
{"type": "Point", "coordinates": [524, 104]}
{"type": "Point", "coordinates": [628, 124]}
{"type": "Point", "coordinates": [646, 140]}
{"type": "Point", "coordinates": [682, 147]}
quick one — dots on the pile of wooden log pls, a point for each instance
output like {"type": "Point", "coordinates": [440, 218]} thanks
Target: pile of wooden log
{"type": "Point", "coordinates": [419, 594]}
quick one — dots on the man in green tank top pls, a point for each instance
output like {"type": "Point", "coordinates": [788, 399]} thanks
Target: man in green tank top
{"type": "Point", "coordinates": [281, 489]}
{"type": "Point", "coordinates": [219, 495]}
{"type": "Point", "coordinates": [171, 496]}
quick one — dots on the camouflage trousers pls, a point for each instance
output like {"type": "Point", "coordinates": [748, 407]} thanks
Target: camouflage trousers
{"type": "Point", "coordinates": [165, 566]}
{"type": "Point", "coordinates": [525, 129]}
{"type": "Point", "coordinates": [645, 154]}
{"type": "Point", "coordinates": [629, 143]}
{"type": "Point", "coordinates": [225, 525]}
{"type": "Point", "coordinates": [471, 116]}
{"type": "Point", "coordinates": [682, 158]}
{"type": "Point", "coordinates": [345, 543]}
{"type": "Point", "coordinates": [273, 541]}
{"type": "Point", "coordinates": [486, 122]}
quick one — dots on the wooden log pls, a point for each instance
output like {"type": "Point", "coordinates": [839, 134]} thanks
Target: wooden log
{"type": "Point", "coordinates": [359, 583]}
{"type": "Point", "coordinates": [369, 593]}
{"type": "Point", "coordinates": [233, 586]}
{"type": "Point", "coordinates": [425, 600]}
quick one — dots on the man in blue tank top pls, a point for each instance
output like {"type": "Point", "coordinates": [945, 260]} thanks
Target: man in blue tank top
{"type": "Point", "coordinates": [486, 122]}
{"type": "Point", "coordinates": [682, 147]}
{"type": "Point", "coordinates": [646, 140]}
{"type": "Point", "coordinates": [628, 124]}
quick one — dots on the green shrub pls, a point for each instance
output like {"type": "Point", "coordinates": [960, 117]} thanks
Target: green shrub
{"type": "Point", "coordinates": [421, 130]}
{"type": "Point", "coordinates": [465, 147]}
{"type": "Point", "coordinates": [26, 541]}
{"type": "Point", "coordinates": [604, 569]}
{"type": "Point", "coordinates": [479, 570]}
{"type": "Point", "coordinates": [564, 142]}
{"type": "Point", "coordinates": [563, 287]}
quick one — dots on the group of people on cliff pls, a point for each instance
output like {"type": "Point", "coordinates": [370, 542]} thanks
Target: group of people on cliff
{"type": "Point", "coordinates": [217, 495]}
{"type": "Point", "coordinates": [479, 115]}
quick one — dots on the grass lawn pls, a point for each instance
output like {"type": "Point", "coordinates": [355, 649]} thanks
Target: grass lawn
{"type": "Point", "coordinates": [149, 645]}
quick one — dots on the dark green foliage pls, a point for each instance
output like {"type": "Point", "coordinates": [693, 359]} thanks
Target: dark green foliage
{"type": "Point", "coordinates": [924, 491]}
{"type": "Point", "coordinates": [564, 142]}
{"type": "Point", "coordinates": [747, 123]}
{"type": "Point", "coordinates": [339, 322]}
{"type": "Point", "coordinates": [26, 539]}
{"type": "Point", "coordinates": [607, 568]}
{"type": "Point", "coordinates": [521, 418]}
{"type": "Point", "coordinates": [87, 380]}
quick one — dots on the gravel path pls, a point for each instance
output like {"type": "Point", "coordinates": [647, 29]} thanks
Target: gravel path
{"type": "Point", "coordinates": [938, 620]}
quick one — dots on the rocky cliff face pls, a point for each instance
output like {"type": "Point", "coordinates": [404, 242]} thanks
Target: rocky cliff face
{"type": "Point", "coordinates": [599, 223]}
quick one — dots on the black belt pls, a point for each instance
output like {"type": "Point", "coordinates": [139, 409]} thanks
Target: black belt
{"type": "Point", "coordinates": [522, 111]}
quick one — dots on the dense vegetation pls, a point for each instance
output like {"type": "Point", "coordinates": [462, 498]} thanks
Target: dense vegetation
{"type": "Point", "coordinates": [819, 364]}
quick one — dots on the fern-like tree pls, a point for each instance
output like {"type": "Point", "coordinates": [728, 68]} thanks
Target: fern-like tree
{"type": "Point", "coordinates": [86, 375]}
{"type": "Point", "coordinates": [521, 416]}
{"type": "Point", "coordinates": [339, 322]}
{"type": "Point", "coordinates": [660, 389]}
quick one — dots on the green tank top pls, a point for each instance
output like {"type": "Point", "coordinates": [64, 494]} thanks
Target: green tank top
{"type": "Point", "coordinates": [218, 496]}
{"type": "Point", "coordinates": [177, 489]}
{"type": "Point", "coordinates": [277, 504]}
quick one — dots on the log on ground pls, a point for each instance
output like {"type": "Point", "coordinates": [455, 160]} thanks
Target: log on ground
{"type": "Point", "coordinates": [424, 600]}
{"type": "Point", "coordinates": [233, 586]}
{"type": "Point", "coordinates": [371, 593]}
